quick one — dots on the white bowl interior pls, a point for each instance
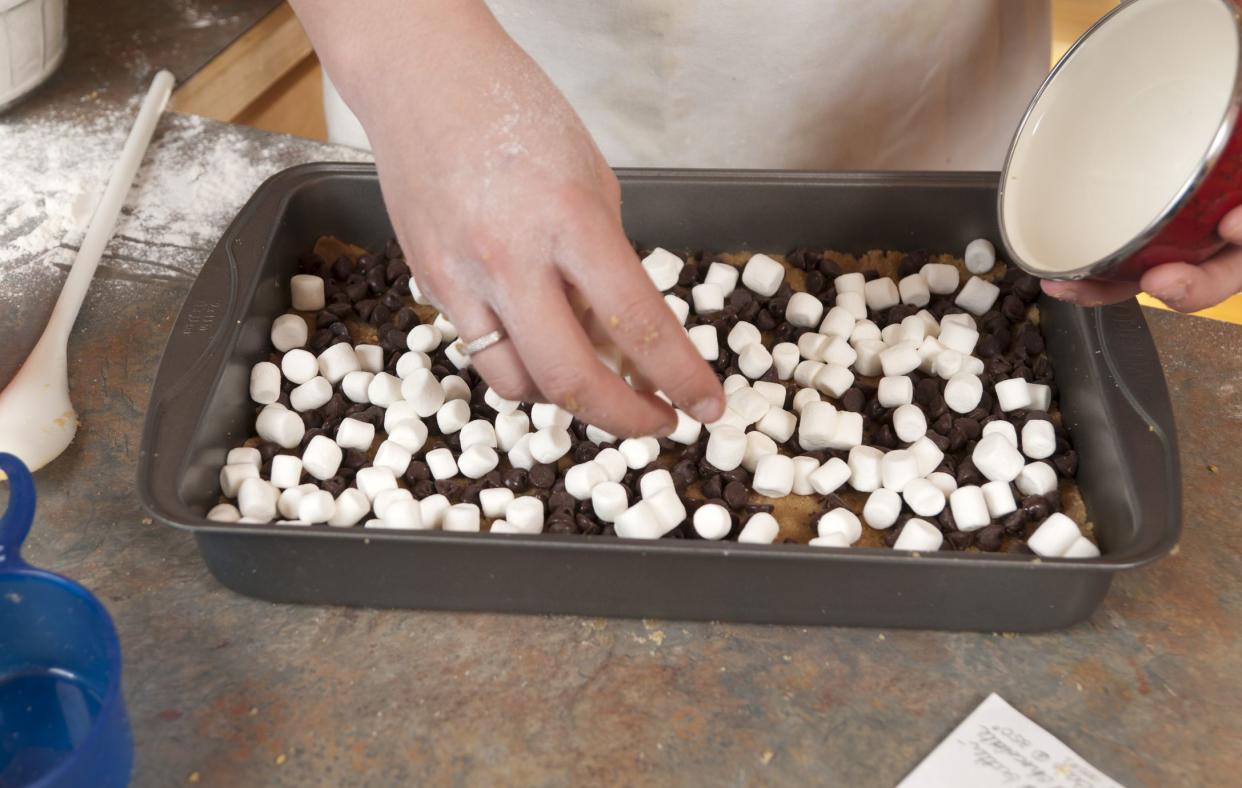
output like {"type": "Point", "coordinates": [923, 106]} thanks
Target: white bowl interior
{"type": "Point", "coordinates": [1119, 132]}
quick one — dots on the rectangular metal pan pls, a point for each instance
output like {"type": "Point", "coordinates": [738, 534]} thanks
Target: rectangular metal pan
{"type": "Point", "coordinates": [1112, 393]}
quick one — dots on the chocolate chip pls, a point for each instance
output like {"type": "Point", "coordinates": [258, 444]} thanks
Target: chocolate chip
{"type": "Point", "coordinates": [943, 423]}
{"type": "Point", "coordinates": [334, 486]}
{"type": "Point", "coordinates": [735, 494]}
{"type": "Point", "coordinates": [423, 489]}
{"type": "Point", "coordinates": [959, 540]}
{"type": "Point", "coordinates": [853, 400]}
{"type": "Point", "coordinates": [967, 473]}
{"type": "Point", "coordinates": [516, 479]}
{"type": "Point", "coordinates": [764, 321]}
{"type": "Point", "coordinates": [912, 263]}
{"type": "Point", "coordinates": [1026, 287]}
{"type": "Point", "coordinates": [395, 270]}
{"type": "Point", "coordinates": [543, 475]}
{"type": "Point", "coordinates": [1066, 464]}
{"type": "Point", "coordinates": [969, 427]}
{"type": "Point", "coordinates": [1012, 308]}
{"type": "Point", "coordinates": [417, 471]}
{"type": "Point", "coordinates": [829, 269]}
{"type": "Point", "coordinates": [562, 501]}
{"type": "Point", "coordinates": [377, 283]}
{"type": "Point", "coordinates": [268, 450]}
{"type": "Point", "coordinates": [1014, 522]}
{"type": "Point", "coordinates": [816, 282]}
{"type": "Point", "coordinates": [380, 314]}
{"type": "Point", "coordinates": [926, 390]}
{"type": "Point", "coordinates": [714, 487]}
{"type": "Point", "coordinates": [1035, 508]}
{"type": "Point", "coordinates": [989, 538]}
{"type": "Point", "coordinates": [884, 437]}
{"type": "Point", "coordinates": [352, 458]}
{"type": "Point", "coordinates": [312, 418]}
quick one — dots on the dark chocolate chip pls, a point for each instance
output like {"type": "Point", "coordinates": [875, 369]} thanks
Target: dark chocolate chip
{"type": "Point", "coordinates": [735, 494]}
{"type": "Point", "coordinates": [853, 400]}
{"type": "Point", "coordinates": [989, 538]}
{"type": "Point", "coordinates": [543, 475]}
{"type": "Point", "coordinates": [1036, 508]}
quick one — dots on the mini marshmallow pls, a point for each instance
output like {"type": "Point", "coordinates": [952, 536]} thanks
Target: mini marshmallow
{"type": "Point", "coordinates": [741, 335]}
{"type": "Point", "coordinates": [973, 366]}
{"type": "Point", "coordinates": [452, 416]}
{"type": "Point", "coordinates": [502, 527]}
{"type": "Point", "coordinates": [997, 458]}
{"type": "Point", "coordinates": [929, 351]}
{"type": "Point", "coordinates": [582, 478]}
{"type": "Point", "coordinates": [882, 508]}
{"type": "Point", "coordinates": [838, 322]}
{"type": "Point", "coordinates": [774, 393]}
{"type": "Point", "coordinates": [763, 275]}
{"type": "Point", "coordinates": [299, 366]}
{"type": "Point", "coordinates": [803, 468]}
{"type": "Point", "coordinates": [977, 296]}
{"type": "Point", "coordinates": [281, 426]}
{"type": "Point", "coordinates": [881, 294]}
{"type": "Point", "coordinates": [312, 394]}
{"type": "Point", "coordinates": [384, 390]}
{"type": "Point", "coordinates": [804, 373]}
{"type": "Point", "coordinates": [963, 392]}
{"type": "Point", "coordinates": [832, 539]}
{"type": "Point", "coordinates": [931, 326]}
{"type": "Point", "coordinates": [1013, 394]}
{"type": "Point", "coordinates": [287, 503]}
{"type": "Point", "coordinates": [726, 447]}
{"type": "Point", "coordinates": [1052, 539]}
{"type": "Point", "coordinates": [227, 513]}
{"type": "Point", "coordinates": [678, 306]}
{"type": "Point", "coordinates": [385, 498]}
{"type": "Point", "coordinates": [424, 393]}
{"type": "Point", "coordinates": [919, 535]}
{"type": "Point", "coordinates": [638, 522]}
{"type": "Point", "coordinates": [914, 290]}
{"type": "Point", "coordinates": [411, 361]}
{"type": "Point", "coordinates": [909, 423]}
{"type": "Point", "coordinates": [686, 432]}
{"type": "Point", "coordinates": [372, 481]}
{"type": "Point", "coordinates": [722, 275]}
{"type": "Point", "coordinates": [526, 513]}
{"type": "Point", "coordinates": [477, 461]}
{"type": "Point", "coordinates": [712, 521]}
{"type": "Point", "coordinates": [868, 362]}
{"type": "Point", "coordinates": [351, 506]}
{"type": "Point", "coordinates": [256, 499]}
{"type": "Point", "coordinates": [829, 477]}
{"type": "Point", "coordinates": [804, 310]}
{"type": "Point", "coordinates": [923, 497]}
{"type": "Point", "coordinates": [461, 517]}
{"type": "Point", "coordinates": [265, 382]}
{"type": "Point", "coordinates": [409, 434]}
{"type": "Point", "coordinates": [864, 464]}
{"type": "Point", "coordinates": [454, 352]}
{"type": "Point", "coordinates": [1002, 427]}
{"type": "Point", "coordinates": [1039, 439]}
{"type": "Point", "coordinates": [958, 337]}
{"type": "Point", "coordinates": [777, 424]}
{"type": "Point", "coordinates": [891, 335]}
{"type": "Point", "coordinates": [455, 387]}
{"type": "Point", "coordinates": [442, 464]}
{"type": "Point", "coordinates": [432, 509]}
{"type": "Point", "coordinates": [912, 329]}
{"type": "Point", "coordinates": [669, 510]}
{"type": "Point", "coordinates": [754, 361]}
{"type": "Point", "coordinates": [853, 282]}
{"type": "Point", "coordinates": [403, 514]}
{"type": "Point", "coordinates": [286, 471]}
{"type": "Point", "coordinates": [599, 436]}
{"type": "Point", "coordinates": [816, 426]}
{"type": "Point", "coordinates": [980, 256]}
{"type": "Point", "coordinates": [943, 481]}
{"type": "Point", "coordinates": [370, 357]}
{"type": "Point", "coordinates": [322, 457]}
{"type": "Point", "coordinates": [232, 476]}
{"type": "Point", "coordinates": [999, 499]}
{"type": "Point", "coordinates": [355, 385]}
{"type": "Point", "coordinates": [1082, 548]}
{"type": "Point", "coordinates": [393, 456]}
{"type": "Point", "coordinates": [854, 303]}
{"type": "Point", "coordinates": [833, 380]}
{"type": "Point", "coordinates": [947, 363]}
{"type": "Point", "coordinates": [653, 482]}
{"type": "Point", "coordinates": [423, 338]}
{"type": "Point", "coordinates": [734, 383]}
{"type": "Point", "coordinates": [704, 339]}
{"type": "Point", "coordinates": [519, 455]}
{"type": "Point", "coordinates": [842, 521]}
{"type": "Point", "coordinates": [897, 469]}
{"type": "Point", "coordinates": [848, 431]}
{"type": "Point", "coordinates": [289, 331]}
{"type": "Point", "coordinates": [307, 293]}
{"type": "Point", "coordinates": [774, 476]}
{"type": "Point", "coordinates": [478, 432]}
{"type": "Point", "coordinates": [1037, 478]}
{"type": "Point", "coordinates": [969, 507]}
{"type": "Point", "coordinates": [802, 397]}
{"type": "Point", "coordinates": [839, 352]}
{"type": "Point", "coordinates": [614, 462]}
{"type": "Point", "coordinates": [958, 318]}
{"type": "Point", "coordinates": [895, 390]}
{"type": "Point", "coordinates": [338, 361]}
{"type": "Point", "coordinates": [550, 444]}
{"type": "Point", "coordinates": [758, 446]}
{"type": "Point", "coordinates": [544, 415]}
{"type": "Point", "coordinates": [749, 404]}
{"type": "Point", "coordinates": [942, 278]}
{"type": "Point", "coordinates": [707, 298]}
{"type": "Point", "coordinates": [761, 528]}
{"type": "Point", "coordinates": [244, 454]}
{"type": "Point", "coordinates": [608, 500]}
{"type": "Point", "coordinates": [448, 331]}
{"type": "Point", "coordinates": [663, 267]}
{"type": "Point", "coordinates": [416, 292]}
{"type": "Point", "coordinates": [494, 500]}
{"type": "Point", "coordinates": [1041, 396]}
{"type": "Point", "coordinates": [510, 427]}
{"type": "Point", "coordinates": [927, 453]}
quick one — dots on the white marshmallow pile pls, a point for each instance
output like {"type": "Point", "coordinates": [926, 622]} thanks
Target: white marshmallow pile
{"type": "Point", "coordinates": [766, 427]}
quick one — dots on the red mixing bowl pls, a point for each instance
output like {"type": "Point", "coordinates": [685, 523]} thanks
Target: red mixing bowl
{"type": "Point", "coordinates": [1129, 155]}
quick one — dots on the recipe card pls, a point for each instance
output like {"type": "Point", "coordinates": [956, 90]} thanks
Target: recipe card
{"type": "Point", "coordinates": [998, 746]}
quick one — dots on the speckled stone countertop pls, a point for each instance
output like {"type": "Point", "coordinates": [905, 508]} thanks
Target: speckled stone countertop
{"type": "Point", "coordinates": [225, 690]}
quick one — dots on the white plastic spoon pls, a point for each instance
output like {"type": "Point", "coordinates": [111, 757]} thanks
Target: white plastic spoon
{"type": "Point", "coordinates": [37, 420]}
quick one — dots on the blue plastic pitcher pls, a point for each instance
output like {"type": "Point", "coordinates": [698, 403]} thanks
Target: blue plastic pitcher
{"type": "Point", "coordinates": [62, 717]}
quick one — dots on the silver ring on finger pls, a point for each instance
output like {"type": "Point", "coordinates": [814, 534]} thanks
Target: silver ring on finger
{"type": "Point", "coordinates": [480, 344]}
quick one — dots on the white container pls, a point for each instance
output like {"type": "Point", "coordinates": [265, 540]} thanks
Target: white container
{"type": "Point", "coordinates": [32, 44]}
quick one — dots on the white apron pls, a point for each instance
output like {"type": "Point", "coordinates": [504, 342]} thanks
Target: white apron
{"type": "Point", "coordinates": [784, 84]}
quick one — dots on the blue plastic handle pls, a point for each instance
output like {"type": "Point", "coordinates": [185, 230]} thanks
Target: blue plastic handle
{"type": "Point", "coordinates": [15, 523]}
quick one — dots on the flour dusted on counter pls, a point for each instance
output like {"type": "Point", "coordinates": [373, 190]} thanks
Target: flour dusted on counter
{"type": "Point", "coordinates": [194, 179]}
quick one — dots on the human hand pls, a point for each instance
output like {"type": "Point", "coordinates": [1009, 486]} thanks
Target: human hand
{"type": "Point", "coordinates": [510, 217]}
{"type": "Point", "coordinates": [1184, 287]}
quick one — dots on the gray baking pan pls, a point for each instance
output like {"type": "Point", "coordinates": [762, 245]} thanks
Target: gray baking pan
{"type": "Point", "coordinates": [1112, 395]}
